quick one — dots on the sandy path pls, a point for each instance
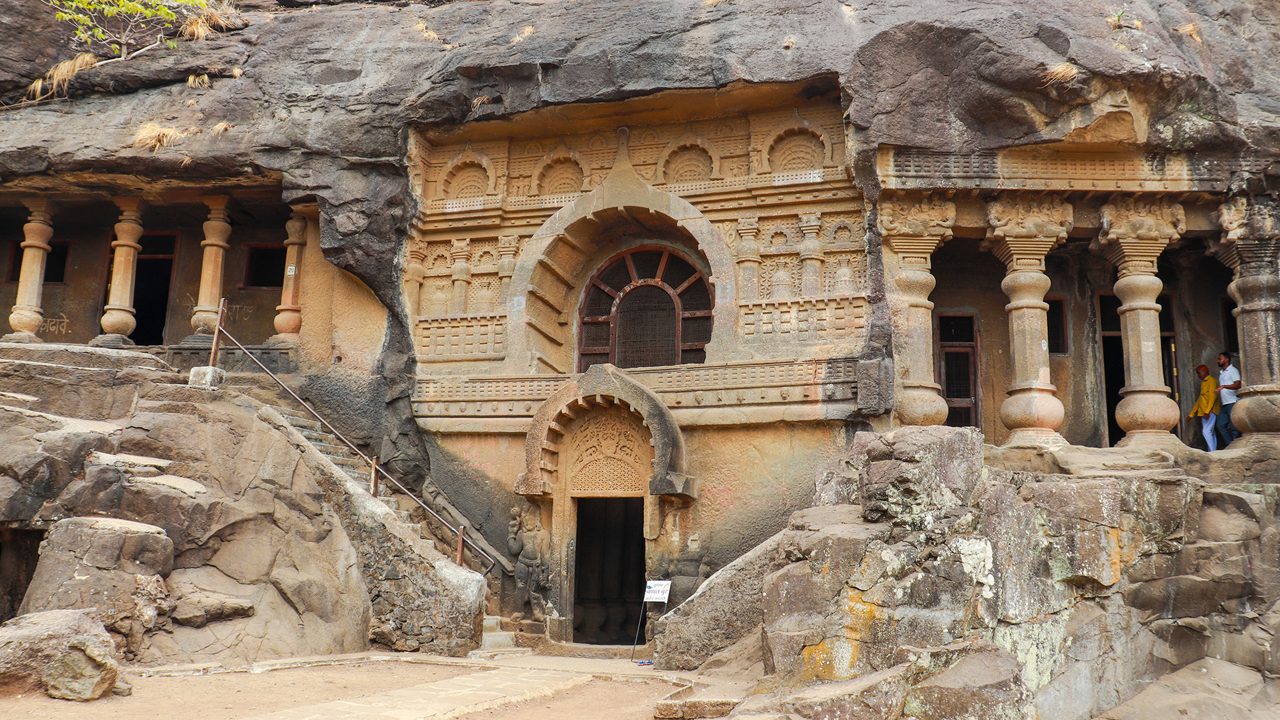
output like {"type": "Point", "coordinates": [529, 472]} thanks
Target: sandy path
{"type": "Point", "coordinates": [228, 696]}
{"type": "Point", "coordinates": [611, 699]}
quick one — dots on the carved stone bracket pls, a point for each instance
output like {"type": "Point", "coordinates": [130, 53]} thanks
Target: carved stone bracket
{"type": "Point", "coordinates": [1136, 230]}
{"type": "Point", "coordinates": [915, 225]}
{"type": "Point", "coordinates": [1024, 228]}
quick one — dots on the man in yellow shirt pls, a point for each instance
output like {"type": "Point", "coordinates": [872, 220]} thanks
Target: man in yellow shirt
{"type": "Point", "coordinates": [1207, 407]}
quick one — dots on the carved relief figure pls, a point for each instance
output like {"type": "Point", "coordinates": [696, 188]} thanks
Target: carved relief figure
{"type": "Point", "coordinates": [529, 543]}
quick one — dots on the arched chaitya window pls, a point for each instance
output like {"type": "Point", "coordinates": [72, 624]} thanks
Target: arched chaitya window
{"type": "Point", "coordinates": [644, 307]}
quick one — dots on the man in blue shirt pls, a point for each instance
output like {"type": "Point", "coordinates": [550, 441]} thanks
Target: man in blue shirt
{"type": "Point", "coordinates": [1228, 384]}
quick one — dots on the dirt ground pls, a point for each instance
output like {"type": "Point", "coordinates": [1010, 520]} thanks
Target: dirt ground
{"type": "Point", "coordinates": [596, 700]}
{"type": "Point", "coordinates": [229, 696]}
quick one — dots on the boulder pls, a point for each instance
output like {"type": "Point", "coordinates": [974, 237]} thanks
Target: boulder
{"type": "Point", "coordinates": [66, 654]}
{"type": "Point", "coordinates": [982, 686]}
{"type": "Point", "coordinates": [114, 567]}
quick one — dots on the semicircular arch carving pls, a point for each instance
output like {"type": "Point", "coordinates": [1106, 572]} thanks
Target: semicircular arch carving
{"type": "Point", "coordinates": [796, 149]}
{"type": "Point", "coordinates": [463, 179]}
{"type": "Point", "coordinates": [664, 174]}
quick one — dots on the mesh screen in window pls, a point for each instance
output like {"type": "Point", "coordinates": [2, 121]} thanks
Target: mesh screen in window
{"type": "Point", "coordinates": [264, 267]}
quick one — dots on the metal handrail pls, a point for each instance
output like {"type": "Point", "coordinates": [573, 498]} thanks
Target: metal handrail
{"type": "Point", "coordinates": [375, 468]}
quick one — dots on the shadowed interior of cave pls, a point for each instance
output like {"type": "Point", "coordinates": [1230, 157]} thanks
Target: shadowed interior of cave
{"type": "Point", "coordinates": [19, 551]}
{"type": "Point", "coordinates": [609, 570]}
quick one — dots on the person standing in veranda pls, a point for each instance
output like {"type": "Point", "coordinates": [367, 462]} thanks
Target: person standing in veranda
{"type": "Point", "coordinates": [1207, 407]}
{"type": "Point", "coordinates": [1228, 384]}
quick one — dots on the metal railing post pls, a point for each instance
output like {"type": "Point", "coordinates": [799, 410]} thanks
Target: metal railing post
{"type": "Point", "coordinates": [217, 332]}
{"type": "Point", "coordinates": [462, 537]}
{"type": "Point", "coordinates": [373, 476]}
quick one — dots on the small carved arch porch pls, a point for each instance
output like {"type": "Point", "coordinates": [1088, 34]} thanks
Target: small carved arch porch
{"type": "Point", "coordinates": [603, 386]}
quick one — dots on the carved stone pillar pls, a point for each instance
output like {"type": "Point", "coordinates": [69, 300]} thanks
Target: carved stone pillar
{"type": "Point", "coordinates": [1023, 229]}
{"type": "Point", "coordinates": [27, 311]}
{"type": "Point", "coordinates": [508, 246]}
{"type": "Point", "coordinates": [913, 227]}
{"type": "Point", "coordinates": [117, 317]}
{"type": "Point", "coordinates": [217, 231]}
{"type": "Point", "coordinates": [1249, 248]}
{"type": "Point", "coordinates": [1134, 233]}
{"type": "Point", "coordinates": [810, 257]}
{"type": "Point", "coordinates": [460, 251]}
{"type": "Point", "coordinates": [288, 320]}
{"type": "Point", "coordinates": [748, 251]}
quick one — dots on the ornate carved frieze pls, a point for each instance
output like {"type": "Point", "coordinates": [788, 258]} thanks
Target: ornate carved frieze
{"type": "Point", "coordinates": [606, 453]}
{"type": "Point", "coordinates": [1250, 234]}
{"type": "Point", "coordinates": [472, 337]}
{"type": "Point", "coordinates": [1135, 230]}
{"type": "Point", "coordinates": [690, 386]}
{"type": "Point", "coordinates": [1065, 169]}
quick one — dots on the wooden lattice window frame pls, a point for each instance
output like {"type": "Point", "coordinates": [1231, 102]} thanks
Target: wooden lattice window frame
{"type": "Point", "coordinates": [690, 352]}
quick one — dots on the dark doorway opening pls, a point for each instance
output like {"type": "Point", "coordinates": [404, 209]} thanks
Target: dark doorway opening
{"type": "Point", "coordinates": [958, 368]}
{"type": "Point", "coordinates": [1113, 370]}
{"type": "Point", "coordinates": [19, 551]}
{"type": "Point", "coordinates": [151, 288]}
{"type": "Point", "coordinates": [609, 572]}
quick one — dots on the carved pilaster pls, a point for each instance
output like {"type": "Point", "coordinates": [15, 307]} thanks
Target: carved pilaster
{"type": "Point", "coordinates": [1250, 243]}
{"type": "Point", "coordinates": [28, 310]}
{"type": "Point", "coordinates": [810, 256]}
{"type": "Point", "coordinates": [508, 246]}
{"type": "Point", "coordinates": [1023, 229]}
{"type": "Point", "coordinates": [913, 227]}
{"type": "Point", "coordinates": [1135, 230]}
{"type": "Point", "coordinates": [460, 252]}
{"type": "Point", "coordinates": [288, 319]}
{"type": "Point", "coordinates": [748, 260]}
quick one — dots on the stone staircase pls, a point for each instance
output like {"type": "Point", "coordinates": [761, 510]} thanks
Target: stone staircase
{"type": "Point", "coordinates": [497, 642]}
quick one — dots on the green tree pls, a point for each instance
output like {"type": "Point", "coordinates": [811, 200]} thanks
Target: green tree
{"type": "Point", "coordinates": [122, 25]}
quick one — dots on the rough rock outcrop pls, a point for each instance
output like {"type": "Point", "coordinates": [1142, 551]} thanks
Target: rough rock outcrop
{"type": "Point", "coordinates": [274, 552]}
{"type": "Point", "coordinates": [1083, 588]}
{"type": "Point", "coordinates": [114, 567]}
{"type": "Point", "coordinates": [65, 653]}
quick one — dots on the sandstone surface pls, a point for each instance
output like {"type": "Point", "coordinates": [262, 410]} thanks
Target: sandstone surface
{"type": "Point", "coordinates": [65, 653]}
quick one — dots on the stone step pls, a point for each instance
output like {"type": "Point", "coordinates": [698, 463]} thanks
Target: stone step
{"type": "Point", "coordinates": [498, 653]}
{"type": "Point", "coordinates": [498, 641]}
{"type": "Point", "coordinates": [301, 421]}
{"type": "Point", "coordinates": [492, 623]}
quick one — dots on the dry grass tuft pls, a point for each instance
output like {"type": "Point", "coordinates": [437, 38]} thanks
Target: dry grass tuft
{"type": "Point", "coordinates": [195, 28]}
{"type": "Point", "coordinates": [1190, 30]}
{"type": "Point", "coordinates": [479, 100]}
{"type": "Point", "coordinates": [186, 161]}
{"type": "Point", "coordinates": [433, 36]}
{"type": "Point", "coordinates": [198, 82]}
{"type": "Point", "coordinates": [220, 128]}
{"type": "Point", "coordinates": [56, 80]}
{"type": "Point", "coordinates": [1120, 19]}
{"type": "Point", "coordinates": [153, 137]}
{"type": "Point", "coordinates": [1062, 73]}
{"type": "Point", "coordinates": [524, 33]}
{"type": "Point", "coordinates": [237, 71]}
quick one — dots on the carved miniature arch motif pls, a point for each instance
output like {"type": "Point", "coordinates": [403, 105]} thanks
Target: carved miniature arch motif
{"type": "Point", "coordinates": [688, 158]}
{"type": "Point", "coordinates": [796, 149]}
{"type": "Point", "coordinates": [560, 172]}
{"type": "Point", "coordinates": [470, 175]}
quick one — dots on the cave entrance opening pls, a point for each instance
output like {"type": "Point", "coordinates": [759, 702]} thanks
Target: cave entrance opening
{"type": "Point", "coordinates": [609, 570]}
{"type": "Point", "coordinates": [151, 296]}
{"type": "Point", "coordinates": [19, 551]}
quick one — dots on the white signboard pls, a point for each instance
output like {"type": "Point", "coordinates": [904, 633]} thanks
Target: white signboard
{"type": "Point", "coordinates": [657, 590]}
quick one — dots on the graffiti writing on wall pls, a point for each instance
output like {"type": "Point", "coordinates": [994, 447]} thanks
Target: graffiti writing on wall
{"type": "Point", "coordinates": [60, 325]}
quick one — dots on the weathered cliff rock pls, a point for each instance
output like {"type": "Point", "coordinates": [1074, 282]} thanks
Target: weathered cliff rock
{"type": "Point", "coordinates": [1084, 588]}
{"type": "Point", "coordinates": [65, 653]}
